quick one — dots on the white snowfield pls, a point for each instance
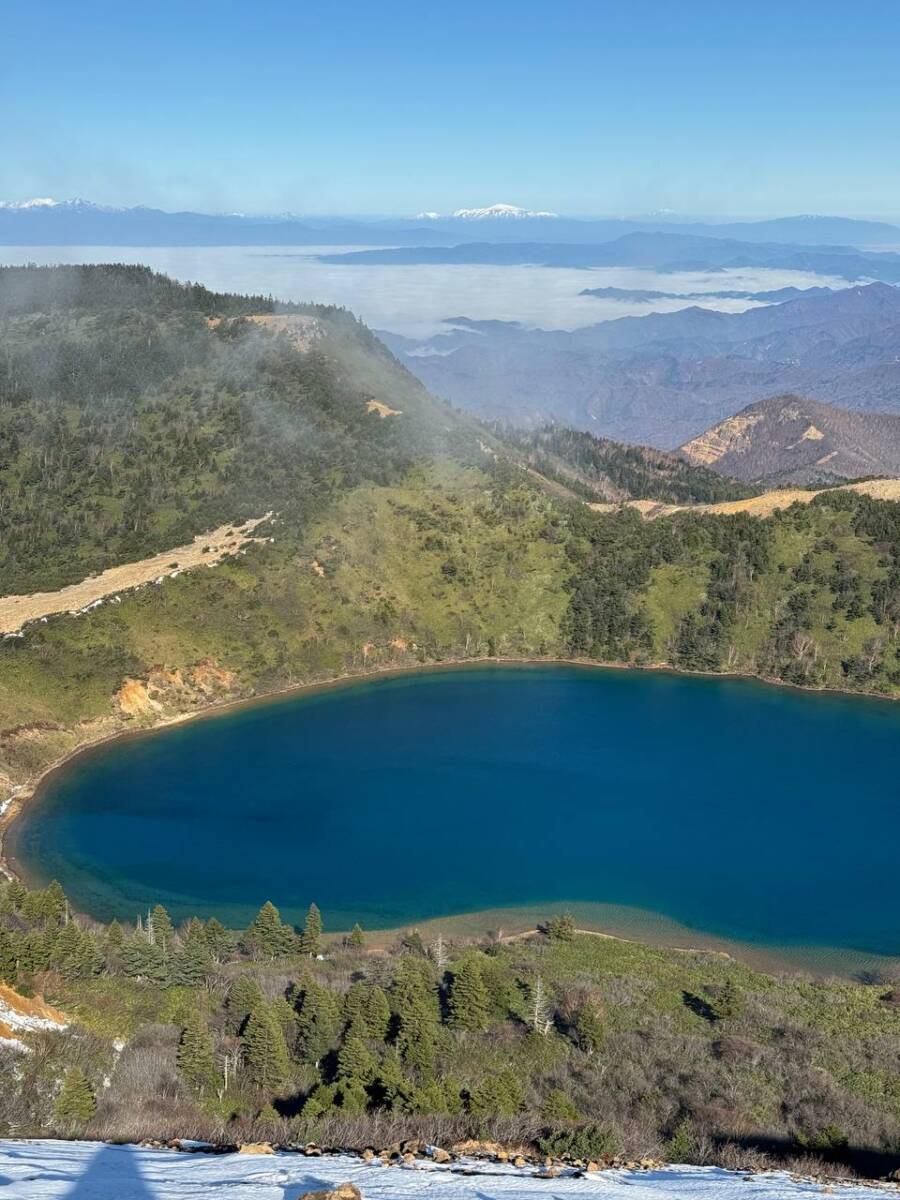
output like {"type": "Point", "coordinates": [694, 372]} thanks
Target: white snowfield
{"type": "Point", "coordinates": [54, 1170]}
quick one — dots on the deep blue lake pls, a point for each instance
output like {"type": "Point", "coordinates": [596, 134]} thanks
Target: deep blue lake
{"type": "Point", "coordinates": [753, 813]}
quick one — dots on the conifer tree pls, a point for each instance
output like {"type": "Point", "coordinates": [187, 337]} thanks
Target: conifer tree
{"type": "Point", "coordinates": [391, 1083]}
{"type": "Point", "coordinates": [353, 1097]}
{"type": "Point", "coordinates": [355, 1060]}
{"type": "Point", "coordinates": [414, 1003]}
{"type": "Point", "coordinates": [268, 933]}
{"type": "Point", "coordinates": [311, 938]}
{"type": "Point", "coordinates": [588, 1028]}
{"type": "Point", "coordinates": [141, 960]}
{"type": "Point", "coordinates": [356, 1000]}
{"type": "Point", "coordinates": [7, 958]}
{"type": "Point", "coordinates": [54, 903]}
{"type": "Point", "coordinates": [243, 997]}
{"type": "Point", "coordinates": [161, 930]}
{"type": "Point", "coordinates": [286, 1016]}
{"type": "Point", "coordinates": [192, 963]}
{"type": "Point", "coordinates": [469, 1002]}
{"type": "Point", "coordinates": [113, 938]}
{"type": "Point", "coordinates": [217, 939]}
{"type": "Point", "coordinates": [561, 928]}
{"type": "Point", "coordinates": [265, 1050]}
{"type": "Point", "coordinates": [197, 1055]}
{"type": "Point", "coordinates": [318, 1022]}
{"type": "Point", "coordinates": [378, 1013]}
{"type": "Point", "coordinates": [76, 1103]}
{"type": "Point", "coordinates": [356, 938]}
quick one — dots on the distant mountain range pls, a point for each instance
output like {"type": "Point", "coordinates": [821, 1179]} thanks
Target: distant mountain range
{"type": "Point", "coordinates": [644, 296]}
{"type": "Point", "coordinates": [44, 221]}
{"type": "Point", "coordinates": [667, 377]}
{"type": "Point", "coordinates": [792, 439]}
{"type": "Point", "coordinates": [658, 251]}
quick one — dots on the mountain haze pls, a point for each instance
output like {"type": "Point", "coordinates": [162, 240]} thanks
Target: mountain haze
{"type": "Point", "coordinates": [664, 378]}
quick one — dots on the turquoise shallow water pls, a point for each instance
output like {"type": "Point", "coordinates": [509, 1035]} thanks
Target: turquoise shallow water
{"type": "Point", "coordinates": [752, 813]}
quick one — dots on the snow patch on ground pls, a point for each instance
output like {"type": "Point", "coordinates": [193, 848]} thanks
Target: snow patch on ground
{"type": "Point", "coordinates": [24, 1014]}
{"type": "Point", "coordinates": [53, 1170]}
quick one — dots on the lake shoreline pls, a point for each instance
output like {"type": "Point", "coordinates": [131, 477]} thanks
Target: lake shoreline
{"type": "Point", "coordinates": [25, 794]}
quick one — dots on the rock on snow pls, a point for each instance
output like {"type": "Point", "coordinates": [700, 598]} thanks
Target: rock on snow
{"type": "Point", "coordinates": [55, 1170]}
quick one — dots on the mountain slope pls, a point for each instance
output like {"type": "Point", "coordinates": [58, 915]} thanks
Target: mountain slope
{"type": "Point", "coordinates": [664, 378]}
{"type": "Point", "coordinates": [792, 439]}
{"type": "Point", "coordinates": [136, 415]}
{"type": "Point", "coordinates": [597, 468]}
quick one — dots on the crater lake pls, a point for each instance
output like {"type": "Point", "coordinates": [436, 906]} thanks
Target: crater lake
{"type": "Point", "coordinates": [750, 813]}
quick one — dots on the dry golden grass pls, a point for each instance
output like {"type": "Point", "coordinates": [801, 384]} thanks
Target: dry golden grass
{"type": "Point", "coordinates": [757, 506]}
{"type": "Point", "coordinates": [206, 549]}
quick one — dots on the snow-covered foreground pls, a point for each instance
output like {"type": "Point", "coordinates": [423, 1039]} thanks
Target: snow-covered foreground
{"type": "Point", "coordinates": [52, 1170]}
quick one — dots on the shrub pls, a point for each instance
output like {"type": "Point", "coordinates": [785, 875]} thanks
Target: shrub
{"type": "Point", "coordinates": [592, 1142]}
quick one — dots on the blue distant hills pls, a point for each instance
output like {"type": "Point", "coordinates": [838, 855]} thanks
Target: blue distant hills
{"type": "Point", "coordinates": [80, 222]}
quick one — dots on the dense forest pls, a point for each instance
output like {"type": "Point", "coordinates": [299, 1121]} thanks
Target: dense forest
{"type": "Point", "coordinates": [563, 1044]}
{"type": "Point", "coordinates": [136, 412]}
{"type": "Point", "coordinates": [810, 595]}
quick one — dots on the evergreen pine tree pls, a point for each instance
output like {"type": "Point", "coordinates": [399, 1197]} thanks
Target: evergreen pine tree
{"type": "Point", "coordinates": [356, 999]}
{"type": "Point", "coordinates": [192, 963]}
{"type": "Point", "coordinates": [267, 932]}
{"type": "Point", "coordinates": [414, 1003]}
{"type": "Point", "coordinates": [356, 939]}
{"type": "Point", "coordinates": [469, 1001]}
{"type": "Point", "coordinates": [311, 938]}
{"type": "Point", "coordinates": [355, 1060]}
{"type": "Point", "coordinates": [141, 960]}
{"type": "Point", "coordinates": [353, 1097]}
{"type": "Point", "coordinates": [161, 930]}
{"type": "Point", "coordinates": [725, 1001]}
{"type": "Point", "coordinates": [197, 1055]}
{"type": "Point", "coordinates": [378, 1013]}
{"type": "Point", "coordinates": [588, 1028]}
{"type": "Point", "coordinates": [243, 997]}
{"type": "Point", "coordinates": [318, 1022]}
{"type": "Point", "coordinates": [7, 958]}
{"type": "Point", "coordinates": [113, 938]}
{"type": "Point", "coordinates": [54, 903]}
{"type": "Point", "coordinates": [391, 1084]}
{"type": "Point", "coordinates": [561, 928]}
{"type": "Point", "coordinates": [265, 1050]}
{"type": "Point", "coordinates": [75, 1104]}
{"type": "Point", "coordinates": [217, 939]}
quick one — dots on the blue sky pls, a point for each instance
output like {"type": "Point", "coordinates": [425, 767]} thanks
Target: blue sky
{"type": "Point", "coordinates": [385, 107]}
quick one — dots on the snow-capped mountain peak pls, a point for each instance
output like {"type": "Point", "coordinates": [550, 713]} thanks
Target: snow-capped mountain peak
{"type": "Point", "coordinates": [510, 212]}
{"type": "Point", "coordinates": [37, 202]}
{"type": "Point", "coordinates": [76, 203]}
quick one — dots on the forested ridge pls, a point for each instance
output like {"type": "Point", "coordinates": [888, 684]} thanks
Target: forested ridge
{"type": "Point", "coordinates": [129, 422]}
{"type": "Point", "coordinates": [560, 1044]}
{"type": "Point", "coordinates": [597, 468]}
{"type": "Point", "coordinates": [136, 413]}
